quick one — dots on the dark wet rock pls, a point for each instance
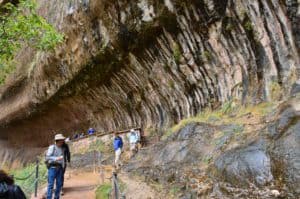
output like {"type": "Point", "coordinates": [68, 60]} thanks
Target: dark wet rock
{"type": "Point", "coordinates": [249, 164]}
{"type": "Point", "coordinates": [287, 117]}
{"type": "Point", "coordinates": [229, 132]}
{"type": "Point", "coordinates": [286, 158]}
{"type": "Point", "coordinates": [295, 88]}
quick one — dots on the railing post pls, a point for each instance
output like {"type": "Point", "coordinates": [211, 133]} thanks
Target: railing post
{"type": "Point", "coordinates": [115, 186]}
{"type": "Point", "coordinates": [36, 178]}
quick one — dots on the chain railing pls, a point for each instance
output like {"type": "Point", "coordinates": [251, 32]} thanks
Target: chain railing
{"type": "Point", "coordinates": [28, 187]}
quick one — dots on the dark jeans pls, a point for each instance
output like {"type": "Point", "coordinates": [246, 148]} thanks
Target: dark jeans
{"type": "Point", "coordinates": [63, 178]}
{"type": "Point", "coordinates": [54, 174]}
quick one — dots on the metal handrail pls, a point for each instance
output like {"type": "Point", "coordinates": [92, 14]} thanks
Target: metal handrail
{"type": "Point", "coordinates": [100, 134]}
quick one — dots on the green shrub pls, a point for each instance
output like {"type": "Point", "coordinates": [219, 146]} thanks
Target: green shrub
{"type": "Point", "coordinates": [176, 53]}
{"type": "Point", "coordinates": [248, 26]}
{"type": "Point", "coordinates": [28, 185]}
{"type": "Point", "coordinates": [206, 55]}
{"type": "Point", "coordinates": [103, 191]}
{"type": "Point", "coordinates": [275, 91]}
{"type": "Point", "coordinates": [22, 26]}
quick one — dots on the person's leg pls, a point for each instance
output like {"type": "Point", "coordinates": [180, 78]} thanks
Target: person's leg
{"type": "Point", "coordinates": [51, 178]}
{"type": "Point", "coordinates": [59, 178]}
{"type": "Point", "coordinates": [132, 148]}
{"type": "Point", "coordinates": [117, 158]}
{"type": "Point", "coordinates": [63, 178]}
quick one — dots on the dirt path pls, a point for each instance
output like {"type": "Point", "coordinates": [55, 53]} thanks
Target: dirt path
{"type": "Point", "coordinates": [137, 189]}
{"type": "Point", "coordinates": [82, 185]}
{"type": "Point", "coordinates": [79, 185]}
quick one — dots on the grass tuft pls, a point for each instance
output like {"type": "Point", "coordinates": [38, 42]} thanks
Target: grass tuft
{"type": "Point", "coordinates": [229, 113]}
{"type": "Point", "coordinates": [103, 191]}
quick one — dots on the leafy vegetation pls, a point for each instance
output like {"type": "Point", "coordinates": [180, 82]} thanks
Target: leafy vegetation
{"type": "Point", "coordinates": [207, 55]}
{"type": "Point", "coordinates": [27, 185]}
{"type": "Point", "coordinates": [176, 53]}
{"type": "Point", "coordinates": [276, 91]}
{"type": "Point", "coordinates": [103, 191]}
{"type": "Point", "coordinates": [174, 191]}
{"type": "Point", "coordinates": [20, 25]}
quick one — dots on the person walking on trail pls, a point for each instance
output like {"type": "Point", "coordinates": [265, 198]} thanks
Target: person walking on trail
{"type": "Point", "coordinates": [56, 163]}
{"type": "Point", "coordinates": [118, 145]}
{"type": "Point", "coordinates": [91, 131]}
{"type": "Point", "coordinates": [67, 158]}
{"type": "Point", "coordinates": [8, 190]}
{"type": "Point", "coordinates": [133, 141]}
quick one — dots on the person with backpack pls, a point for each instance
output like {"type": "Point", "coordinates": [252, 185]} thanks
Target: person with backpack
{"type": "Point", "coordinates": [67, 158]}
{"type": "Point", "coordinates": [8, 190]}
{"type": "Point", "coordinates": [133, 141]}
{"type": "Point", "coordinates": [118, 145]}
{"type": "Point", "coordinates": [55, 164]}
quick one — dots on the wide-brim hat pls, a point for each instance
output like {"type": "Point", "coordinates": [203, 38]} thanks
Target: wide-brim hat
{"type": "Point", "coordinates": [59, 137]}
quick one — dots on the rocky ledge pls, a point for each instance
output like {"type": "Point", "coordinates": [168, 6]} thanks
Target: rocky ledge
{"type": "Point", "coordinates": [209, 161]}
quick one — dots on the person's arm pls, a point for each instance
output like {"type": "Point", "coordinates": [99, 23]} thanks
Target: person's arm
{"type": "Point", "coordinates": [50, 154]}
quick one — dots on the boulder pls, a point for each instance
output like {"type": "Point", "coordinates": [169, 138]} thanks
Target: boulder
{"type": "Point", "coordinates": [295, 88]}
{"type": "Point", "coordinates": [241, 166]}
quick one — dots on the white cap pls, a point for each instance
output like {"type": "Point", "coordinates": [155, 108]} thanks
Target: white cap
{"type": "Point", "coordinates": [59, 137]}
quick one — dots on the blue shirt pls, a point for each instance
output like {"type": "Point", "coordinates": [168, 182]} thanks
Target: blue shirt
{"type": "Point", "coordinates": [118, 143]}
{"type": "Point", "coordinates": [91, 131]}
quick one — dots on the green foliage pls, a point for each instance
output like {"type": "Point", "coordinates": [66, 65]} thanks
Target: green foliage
{"type": "Point", "coordinates": [248, 25]}
{"type": "Point", "coordinates": [275, 91]}
{"type": "Point", "coordinates": [174, 190]}
{"type": "Point", "coordinates": [103, 191]}
{"type": "Point", "coordinates": [229, 113]}
{"type": "Point", "coordinates": [28, 184]}
{"type": "Point", "coordinates": [229, 27]}
{"type": "Point", "coordinates": [207, 159]}
{"type": "Point", "coordinates": [21, 25]}
{"type": "Point", "coordinates": [176, 53]}
{"type": "Point", "coordinates": [6, 69]}
{"type": "Point", "coordinates": [98, 145]}
{"type": "Point", "coordinates": [207, 55]}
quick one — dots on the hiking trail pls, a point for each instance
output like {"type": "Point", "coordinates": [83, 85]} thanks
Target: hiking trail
{"type": "Point", "coordinates": [80, 185]}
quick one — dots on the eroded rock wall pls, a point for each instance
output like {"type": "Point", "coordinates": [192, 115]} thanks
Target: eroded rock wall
{"type": "Point", "coordinates": [149, 63]}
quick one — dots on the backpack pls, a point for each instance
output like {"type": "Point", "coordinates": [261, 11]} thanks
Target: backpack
{"type": "Point", "coordinates": [47, 162]}
{"type": "Point", "coordinates": [3, 190]}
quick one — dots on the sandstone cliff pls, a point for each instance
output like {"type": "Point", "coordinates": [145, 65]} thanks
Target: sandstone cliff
{"type": "Point", "coordinates": [148, 63]}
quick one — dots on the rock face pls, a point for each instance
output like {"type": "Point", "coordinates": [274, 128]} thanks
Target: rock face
{"type": "Point", "coordinates": [148, 63]}
{"type": "Point", "coordinates": [250, 164]}
{"type": "Point", "coordinates": [200, 168]}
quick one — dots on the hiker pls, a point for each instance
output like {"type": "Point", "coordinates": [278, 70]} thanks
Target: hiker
{"type": "Point", "coordinates": [81, 135]}
{"type": "Point", "coordinates": [67, 158]}
{"type": "Point", "coordinates": [55, 164]}
{"type": "Point", "coordinates": [91, 131]}
{"type": "Point", "coordinates": [76, 136]}
{"type": "Point", "coordinates": [8, 190]}
{"type": "Point", "coordinates": [133, 141]}
{"type": "Point", "coordinates": [118, 145]}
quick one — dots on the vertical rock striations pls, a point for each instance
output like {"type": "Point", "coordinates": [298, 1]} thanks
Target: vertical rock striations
{"type": "Point", "coordinates": [151, 63]}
